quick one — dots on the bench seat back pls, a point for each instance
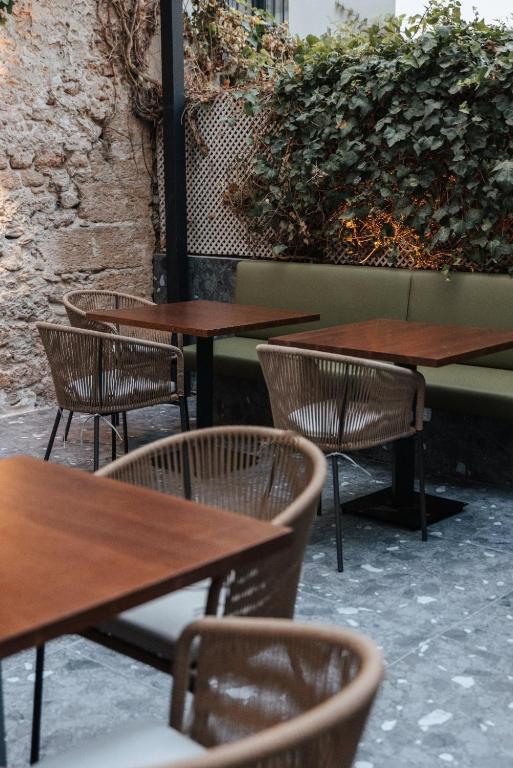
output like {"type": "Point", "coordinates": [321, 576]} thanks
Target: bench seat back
{"type": "Point", "coordinates": [485, 301]}
{"type": "Point", "coordinates": [339, 294]}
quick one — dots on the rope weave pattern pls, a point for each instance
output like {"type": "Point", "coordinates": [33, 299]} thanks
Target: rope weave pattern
{"type": "Point", "coordinates": [102, 373]}
{"type": "Point", "coordinates": [77, 303]}
{"type": "Point", "coordinates": [262, 473]}
{"type": "Point", "coordinates": [341, 403]}
{"type": "Point", "coordinates": [254, 675]}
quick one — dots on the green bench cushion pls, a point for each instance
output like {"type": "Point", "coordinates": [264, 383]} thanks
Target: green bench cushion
{"type": "Point", "coordinates": [349, 294]}
{"type": "Point", "coordinates": [339, 294]}
{"type": "Point", "coordinates": [485, 301]}
{"type": "Point", "coordinates": [464, 388]}
{"type": "Point", "coordinates": [470, 389]}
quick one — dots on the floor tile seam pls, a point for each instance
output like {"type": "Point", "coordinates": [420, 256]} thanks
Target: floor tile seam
{"type": "Point", "coordinates": [121, 672]}
{"type": "Point", "coordinates": [492, 548]}
{"type": "Point", "coordinates": [20, 414]}
{"type": "Point", "coordinates": [454, 625]}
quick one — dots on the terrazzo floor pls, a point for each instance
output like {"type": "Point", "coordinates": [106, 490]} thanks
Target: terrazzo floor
{"type": "Point", "coordinates": [441, 611]}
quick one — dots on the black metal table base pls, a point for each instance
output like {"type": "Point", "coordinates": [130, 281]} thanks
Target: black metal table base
{"type": "Point", "coordinates": [381, 506]}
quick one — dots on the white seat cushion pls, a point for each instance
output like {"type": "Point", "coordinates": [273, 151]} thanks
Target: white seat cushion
{"type": "Point", "coordinates": [157, 625]}
{"type": "Point", "coordinates": [315, 420]}
{"type": "Point", "coordinates": [135, 746]}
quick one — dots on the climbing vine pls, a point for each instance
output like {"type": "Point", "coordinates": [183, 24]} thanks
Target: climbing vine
{"type": "Point", "coordinates": [224, 47]}
{"type": "Point", "coordinates": [389, 140]}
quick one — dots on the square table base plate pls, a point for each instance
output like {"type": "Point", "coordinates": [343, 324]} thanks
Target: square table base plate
{"type": "Point", "coordinates": [381, 506]}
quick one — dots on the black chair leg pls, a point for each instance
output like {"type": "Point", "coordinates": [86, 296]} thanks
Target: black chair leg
{"type": "Point", "coordinates": [338, 520]}
{"type": "Point", "coordinates": [125, 432]}
{"type": "Point", "coordinates": [319, 507]}
{"type": "Point", "coordinates": [96, 440]}
{"type": "Point", "coordinates": [184, 414]}
{"type": "Point", "coordinates": [68, 425]}
{"type": "Point", "coordinates": [422, 487]}
{"type": "Point", "coordinates": [38, 705]}
{"type": "Point", "coordinates": [114, 419]}
{"type": "Point", "coordinates": [54, 432]}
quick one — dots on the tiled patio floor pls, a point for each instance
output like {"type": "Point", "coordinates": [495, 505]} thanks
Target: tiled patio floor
{"type": "Point", "coordinates": [442, 611]}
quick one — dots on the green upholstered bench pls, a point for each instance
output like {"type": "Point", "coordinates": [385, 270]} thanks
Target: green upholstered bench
{"type": "Point", "coordinates": [345, 294]}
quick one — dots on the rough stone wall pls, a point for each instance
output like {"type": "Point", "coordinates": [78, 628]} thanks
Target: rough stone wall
{"type": "Point", "coordinates": [75, 194]}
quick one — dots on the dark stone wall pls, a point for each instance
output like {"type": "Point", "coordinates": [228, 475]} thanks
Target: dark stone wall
{"type": "Point", "coordinates": [210, 277]}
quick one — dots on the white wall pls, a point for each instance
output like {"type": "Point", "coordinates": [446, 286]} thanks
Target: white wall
{"type": "Point", "coordinates": [491, 10]}
{"type": "Point", "coordinates": [313, 17]}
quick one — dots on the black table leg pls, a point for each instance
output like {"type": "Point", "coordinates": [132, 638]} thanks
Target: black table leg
{"type": "Point", "coordinates": [205, 381]}
{"type": "Point", "coordinates": [403, 473]}
{"type": "Point", "coordinates": [399, 505]}
{"type": "Point", "coordinates": [3, 748]}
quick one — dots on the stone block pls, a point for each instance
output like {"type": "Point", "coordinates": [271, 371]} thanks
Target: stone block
{"type": "Point", "coordinates": [32, 178]}
{"type": "Point", "coordinates": [100, 202]}
{"type": "Point", "coordinates": [21, 158]}
{"type": "Point", "coordinates": [91, 249]}
{"type": "Point", "coordinates": [70, 248]}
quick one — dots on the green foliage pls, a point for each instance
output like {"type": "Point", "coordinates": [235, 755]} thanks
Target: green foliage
{"type": "Point", "coordinates": [5, 7]}
{"type": "Point", "coordinates": [409, 123]}
{"type": "Point", "coordinates": [231, 46]}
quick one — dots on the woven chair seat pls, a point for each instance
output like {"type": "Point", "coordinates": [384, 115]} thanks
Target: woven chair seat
{"type": "Point", "coordinates": [140, 387]}
{"type": "Point", "coordinates": [307, 420]}
{"type": "Point", "coordinates": [136, 746]}
{"type": "Point", "coordinates": [156, 626]}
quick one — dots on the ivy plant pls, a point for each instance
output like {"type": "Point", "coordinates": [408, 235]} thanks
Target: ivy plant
{"type": "Point", "coordinates": [5, 8]}
{"type": "Point", "coordinates": [389, 137]}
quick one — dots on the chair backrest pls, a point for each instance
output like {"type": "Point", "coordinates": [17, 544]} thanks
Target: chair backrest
{"type": "Point", "coordinates": [78, 303]}
{"type": "Point", "coordinates": [341, 403]}
{"type": "Point", "coordinates": [96, 372]}
{"type": "Point", "coordinates": [260, 472]}
{"type": "Point", "coordinates": [274, 693]}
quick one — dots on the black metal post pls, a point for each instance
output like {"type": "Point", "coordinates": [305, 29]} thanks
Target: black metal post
{"type": "Point", "coordinates": [3, 747]}
{"type": "Point", "coordinates": [173, 105]}
{"type": "Point", "coordinates": [37, 705]}
{"type": "Point", "coordinates": [205, 382]}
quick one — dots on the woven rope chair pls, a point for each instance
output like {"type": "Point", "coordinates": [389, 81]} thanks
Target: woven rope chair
{"type": "Point", "coordinates": [344, 404]}
{"type": "Point", "coordinates": [268, 694]}
{"type": "Point", "coordinates": [105, 374]}
{"type": "Point", "coordinates": [259, 472]}
{"type": "Point", "coordinates": [78, 303]}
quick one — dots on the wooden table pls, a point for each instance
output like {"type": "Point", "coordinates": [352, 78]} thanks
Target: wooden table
{"type": "Point", "coordinates": [205, 320]}
{"type": "Point", "coordinates": [408, 344]}
{"type": "Point", "coordinates": [76, 549]}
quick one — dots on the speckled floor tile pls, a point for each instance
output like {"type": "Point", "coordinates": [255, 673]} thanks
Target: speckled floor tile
{"type": "Point", "coordinates": [442, 612]}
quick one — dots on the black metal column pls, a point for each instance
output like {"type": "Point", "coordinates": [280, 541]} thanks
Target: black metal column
{"type": "Point", "coordinates": [205, 382]}
{"type": "Point", "coordinates": [173, 105]}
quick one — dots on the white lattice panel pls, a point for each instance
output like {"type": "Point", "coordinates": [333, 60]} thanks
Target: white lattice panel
{"type": "Point", "coordinates": [213, 228]}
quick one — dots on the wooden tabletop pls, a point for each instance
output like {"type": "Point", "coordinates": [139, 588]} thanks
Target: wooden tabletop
{"type": "Point", "coordinates": [76, 549]}
{"type": "Point", "coordinates": [202, 318]}
{"type": "Point", "coordinates": [400, 341]}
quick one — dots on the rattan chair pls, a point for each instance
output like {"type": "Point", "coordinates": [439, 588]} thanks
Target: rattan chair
{"type": "Point", "coordinates": [268, 694]}
{"type": "Point", "coordinates": [103, 374]}
{"type": "Point", "coordinates": [78, 303]}
{"type": "Point", "coordinates": [259, 472]}
{"type": "Point", "coordinates": [344, 404]}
